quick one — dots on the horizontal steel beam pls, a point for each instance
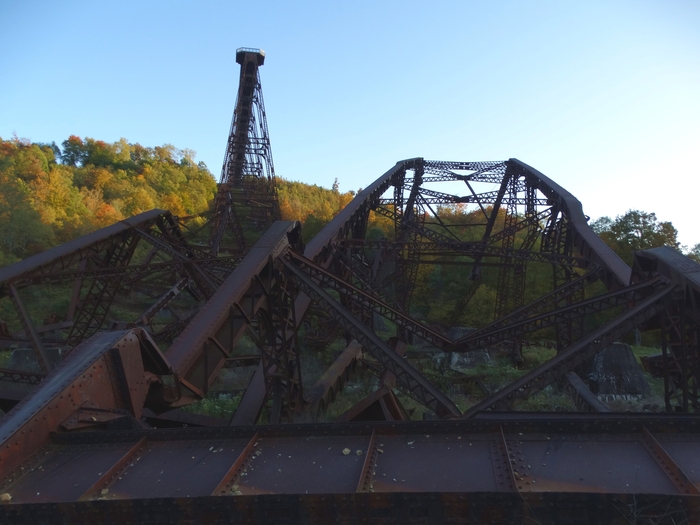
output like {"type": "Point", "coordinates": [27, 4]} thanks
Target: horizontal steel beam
{"type": "Point", "coordinates": [64, 256]}
{"type": "Point", "coordinates": [523, 455]}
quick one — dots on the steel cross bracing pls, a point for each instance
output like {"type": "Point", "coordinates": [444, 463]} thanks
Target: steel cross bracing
{"type": "Point", "coordinates": [575, 355]}
{"type": "Point", "coordinates": [497, 332]}
{"type": "Point", "coordinates": [679, 323]}
{"type": "Point", "coordinates": [167, 239]}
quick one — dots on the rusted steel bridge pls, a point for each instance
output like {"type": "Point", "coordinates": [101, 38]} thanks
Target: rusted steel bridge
{"type": "Point", "coordinates": [158, 306]}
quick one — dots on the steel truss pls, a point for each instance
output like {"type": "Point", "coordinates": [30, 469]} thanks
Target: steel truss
{"type": "Point", "coordinates": [273, 309]}
{"type": "Point", "coordinates": [679, 323]}
{"type": "Point", "coordinates": [102, 268]}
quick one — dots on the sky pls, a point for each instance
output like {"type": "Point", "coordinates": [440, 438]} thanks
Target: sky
{"type": "Point", "coordinates": [602, 96]}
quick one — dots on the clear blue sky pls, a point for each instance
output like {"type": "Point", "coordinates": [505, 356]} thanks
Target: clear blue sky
{"type": "Point", "coordinates": [601, 96]}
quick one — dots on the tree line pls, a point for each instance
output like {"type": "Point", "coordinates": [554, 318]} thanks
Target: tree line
{"type": "Point", "coordinates": [50, 194]}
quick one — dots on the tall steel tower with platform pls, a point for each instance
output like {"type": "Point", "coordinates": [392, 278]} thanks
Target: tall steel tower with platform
{"type": "Point", "coordinates": [246, 202]}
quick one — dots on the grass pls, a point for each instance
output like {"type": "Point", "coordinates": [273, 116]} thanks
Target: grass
{"type": "Point", "coordinates": [549, 399]}
{"type": "Point", "coordinates": [222, 406]}
{"type": "Point", "coordinates": [502, 371]}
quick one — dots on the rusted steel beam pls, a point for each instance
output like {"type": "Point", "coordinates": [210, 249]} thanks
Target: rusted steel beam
{"type": "Point", "coordinates": [587, 243]}
{"type": "Point", "coordinates": [364, 483]}
{"type": "Point", "coordinates": [368, 301]}
{"type": "Point", "coordinates": [522, 454]}
{"type": "Point", "coordinates": [582, 393]}
{"type": "Point", "coordinates": [502, 460]}
{"type": "Point", "coordinates": [112, 370]}
{"type": "Point", "coordinates": [42, 357]}
{"type": "Point", "coordinates": [97, 488]}
{"type": "Point", "coordinates": [227, 483]}
{"type": "Point", "coordinates": [675, 473]}
{"type": "Point", "coordinates": [276, 339]}
{"type": "Point", "coordinates": [406, 375]}
{"type": "Point", "coordinates": [546, 303]}
{"type": "Point", "coordinates": [329, 385]}
{"type": "Point", "coordinates": [94, 306]}
{"type": "Point", "coordinates": [77, 286]}
{"type": "Point", "coordinates": [134, 272]}
{"type": "Point", "coordinates": [450, 248]}
{"type": "Point", "coordinates": [319, 248]}
{"type": "Point", "coordinates": [162, 302]}
{"type": "Point", "coordinates": [488, 198]}
{"type": "Point", "coordinates": [488, 336]}
{"type": "Point", "coordinates": [230, 311]}
{"type": "Point", "coordinates": [205, 284]}
{"type": "Point", "coordinates": [68, 254]}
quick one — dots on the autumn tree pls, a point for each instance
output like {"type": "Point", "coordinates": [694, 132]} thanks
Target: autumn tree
{"type": "Point", "coordinates": [49, 195]}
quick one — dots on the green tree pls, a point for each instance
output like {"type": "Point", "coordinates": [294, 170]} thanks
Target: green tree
{"type": "Point", "coordinates": [635, 230]}
{"type": "Point", "coordinates": [74, 151]}
{"type": "Point", "coordinates": [99, 153]}
{"type": "Point", "coordinates": [694, 252]}
{"type": "Point", "coordinates": [21, 228]}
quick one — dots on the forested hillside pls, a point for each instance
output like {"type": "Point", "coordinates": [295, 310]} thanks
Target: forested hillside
{"type": "Point", "coordinates": [50, 194]}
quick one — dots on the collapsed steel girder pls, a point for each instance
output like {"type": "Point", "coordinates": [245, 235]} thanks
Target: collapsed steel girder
{"type": "Point", "coordinates": [491, 334]}
{"type": "Point", "coordinates": [576, 355]}
{"type": "Point", "coordinates": [406, 375]}
{"type": "Point", "coordinates": [344, 233]}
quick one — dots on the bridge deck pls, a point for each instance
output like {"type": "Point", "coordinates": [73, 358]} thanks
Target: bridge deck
{"type": "Point", "coordinates": [499, 468]}
{"type": "Point", "coordinates": [574, 453]}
